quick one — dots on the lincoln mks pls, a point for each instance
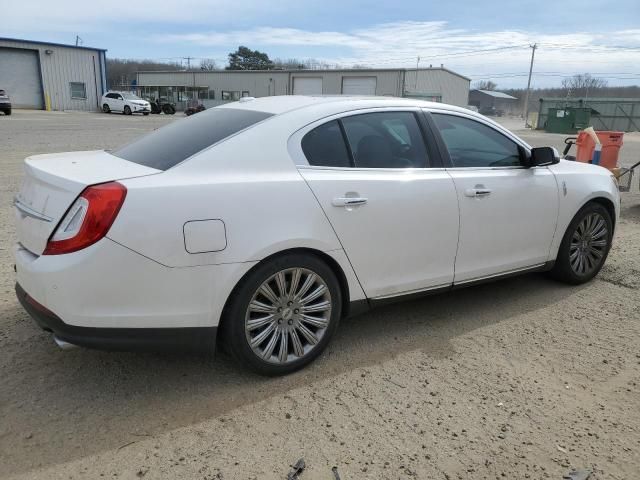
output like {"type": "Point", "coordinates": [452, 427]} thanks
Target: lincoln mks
{"type": "Point", "coordinates": [259, 224]}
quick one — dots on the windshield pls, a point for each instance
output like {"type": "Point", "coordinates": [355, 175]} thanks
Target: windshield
{"type": "Point", "coordinates": [173, 143]}
{"type": "Point", "coordinates": [131, 96]}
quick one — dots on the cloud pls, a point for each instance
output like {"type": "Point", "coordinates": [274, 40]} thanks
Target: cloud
{"type": "Point", "coordinates": [164, 30]}
{"type": "Point", "coordinates": [504, 54]}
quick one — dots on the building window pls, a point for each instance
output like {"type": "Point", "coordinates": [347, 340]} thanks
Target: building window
{"type": "Point", "coordinates": [227, 95]}
{"type": "Point", "coordinates": [212, 94]}
{"type": "Point", "coordinates": [78, 90]}
{"type": "Point", "coordinates": [245, 93]}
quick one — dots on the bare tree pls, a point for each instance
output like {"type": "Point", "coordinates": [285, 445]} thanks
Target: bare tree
{"type": "Point", "coordinates": [121, 72]}
{"type": "Point", "coordinates": [581, 85]}
{"type": "Point", "coordinates": [208, 64]}
{"type": "Point", "coordinates": [289, 64]}
{"type": "Point", "coordinates": [485, 85]}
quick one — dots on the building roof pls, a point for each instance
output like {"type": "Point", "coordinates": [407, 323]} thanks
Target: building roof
{"type": "Point", "coordinates": [35, 42]}
{"type": "Point", "coordinates": [495, 94]}
{"type": "Point", "coordinates": [309, 70]}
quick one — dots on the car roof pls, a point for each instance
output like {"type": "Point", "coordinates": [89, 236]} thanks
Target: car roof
{"type": "Point", "coordinates": [287, 103]}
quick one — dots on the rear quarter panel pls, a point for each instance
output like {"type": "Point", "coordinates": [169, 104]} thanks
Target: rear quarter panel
{"type": "Point", "coordinates": [248, 181]}
{"type": "Point", "coordinates": [578, 184]}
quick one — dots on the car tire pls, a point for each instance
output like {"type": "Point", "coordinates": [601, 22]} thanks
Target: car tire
{"type": "Point", "coordinates": [127, 110]}
{"type": "Point", "coordinates": [145, 113]}
{"type": "Point", "coordinates": [106, 109]}
{"type": "Point", "coordinates": [7, 111]}
{"type": "Point", "coordinates": [585, 245]}
{"type": "Point", "coordinates": [277, 316]}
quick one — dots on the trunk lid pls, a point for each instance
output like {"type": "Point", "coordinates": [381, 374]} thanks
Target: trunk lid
{"type": "Point", "coordinates": [52, 183]}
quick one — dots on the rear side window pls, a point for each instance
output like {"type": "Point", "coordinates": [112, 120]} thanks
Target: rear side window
{"type": "Point", "coordinates": [324, 146]}
{"type": "Point", "coordinates": [173, 143]}
{"type": "Point", "coordinates": [386, 140]}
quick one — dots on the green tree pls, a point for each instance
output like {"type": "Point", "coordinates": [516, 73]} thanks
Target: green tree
{"type": "Point", "coordinates": [246, 59]}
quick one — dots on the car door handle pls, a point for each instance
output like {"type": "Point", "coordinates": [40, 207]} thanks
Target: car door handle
{"type": "Point", "coordinates": [477, 192]}
{"type": "Point", "coordinates": [348, 201]}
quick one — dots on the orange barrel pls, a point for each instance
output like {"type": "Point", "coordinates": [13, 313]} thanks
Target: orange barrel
{"type": "Point", "coordinates": [611, 143]}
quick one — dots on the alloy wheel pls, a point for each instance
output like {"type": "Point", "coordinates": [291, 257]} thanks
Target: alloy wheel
{"type": "Point", "coordinates": [589, 244]}
{"type": "Point", "coordinates": [288, 315]}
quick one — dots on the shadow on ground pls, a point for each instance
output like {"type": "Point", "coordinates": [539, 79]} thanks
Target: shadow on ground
{"type": "Point", "coordinates": [81, 402]}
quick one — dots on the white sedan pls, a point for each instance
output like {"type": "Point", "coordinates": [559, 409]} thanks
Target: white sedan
{"type": "Point", "coordinates": [124, 102]}
{"type": "Point", "coordinates": [263, 222]}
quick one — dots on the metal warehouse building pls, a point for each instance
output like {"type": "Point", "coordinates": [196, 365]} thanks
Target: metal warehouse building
{"type": "Point", "coordinates": [52, 76]}
{"type": "Point", "coordinates": [213, 88]}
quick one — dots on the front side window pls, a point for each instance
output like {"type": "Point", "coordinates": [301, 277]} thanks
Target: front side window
{"type": "Point", "coordinates": [78, 90]}
{"type": "Point", "coordinates": [473, 144]}
{"type": "Point", "coordinates": [324, 146]}
{"type": "Point", "coordinates": [167, 146]}
{"type": "Point", "coordinates": [386, 140]}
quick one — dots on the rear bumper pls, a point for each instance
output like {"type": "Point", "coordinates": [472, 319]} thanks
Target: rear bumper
{"type": "Point", "coordinates": [201, 339]}
{"type": "Point", "coordinates": [5, 106]}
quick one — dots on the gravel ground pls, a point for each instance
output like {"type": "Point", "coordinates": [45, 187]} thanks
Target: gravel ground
{"type": "Point", "coordinates": [523, 378]}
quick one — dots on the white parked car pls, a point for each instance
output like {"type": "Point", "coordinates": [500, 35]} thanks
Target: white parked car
{"type": "Point", "coordinates": [124, 102]}
{"type": "Point", "coordinates": [267, 220]}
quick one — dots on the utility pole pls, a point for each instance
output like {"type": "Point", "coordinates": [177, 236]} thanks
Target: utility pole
{"type": "Point", "coordinates": [78, 40]}
{"type": "Point", "coordinates": [526, 98]}
{"type": "Point", "coordinates": [188, 59]}
{"type": "Point", "coordinates": [417, 65]}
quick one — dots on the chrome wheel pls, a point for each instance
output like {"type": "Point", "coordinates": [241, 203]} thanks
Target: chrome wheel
{"type": "Point", "coordinates": [288, 315]}
{"type": "Point", "coordinates": [589, 244]}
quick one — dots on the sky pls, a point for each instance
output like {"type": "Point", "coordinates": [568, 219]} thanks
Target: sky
{"type": "Point", "coordinates": [480, 39]}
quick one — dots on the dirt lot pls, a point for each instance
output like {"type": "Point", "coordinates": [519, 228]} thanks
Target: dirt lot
{"type": "Point", "coordinates": [524, 378]}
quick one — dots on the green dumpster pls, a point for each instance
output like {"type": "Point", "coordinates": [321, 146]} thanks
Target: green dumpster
{"type": "Point", "coordinates": [568, 119]}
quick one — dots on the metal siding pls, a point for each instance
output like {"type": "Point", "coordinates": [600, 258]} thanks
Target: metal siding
{"type": "Point", "coordinates": [258, 84]}
{"type": "Point", "coordinates": [20, 77]}
{"type": "Point", "coordinates": [453, 88]}
{"type": "Point", "coordinates": [63, 66]}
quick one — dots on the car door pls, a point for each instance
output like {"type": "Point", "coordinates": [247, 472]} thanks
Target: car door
{"type": "Point", "coordinates": [110, 100]}
{"type": "Point", "coordinates": [394, 212]}
{"type": "Point", "coordinates": [508, 213]}
{"type": "Point", "coordinates": [116, 102]}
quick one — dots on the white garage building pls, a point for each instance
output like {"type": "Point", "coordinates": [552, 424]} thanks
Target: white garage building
{"type": "Point", "coordinates": [52, 76]}
{"type": "Point", "coordinates": [212, 88]}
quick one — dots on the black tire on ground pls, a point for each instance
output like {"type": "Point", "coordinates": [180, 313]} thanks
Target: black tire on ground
{"type": "Point", "coordinates": [232, 332]}
{"type": "Point", "coordinates": [145, 113]}
{"type": "Point", "coordinates": [106, 109]}
{"type": "Point", "coordinates": [127, 110]}
{"type": "Point", "coordinates": [7, 111]}
{"type": "Point", "coordinates": [572, 243]}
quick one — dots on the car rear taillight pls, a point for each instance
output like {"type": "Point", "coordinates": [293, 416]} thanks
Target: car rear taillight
{"type": "Point", "coordinates": [88, 219]}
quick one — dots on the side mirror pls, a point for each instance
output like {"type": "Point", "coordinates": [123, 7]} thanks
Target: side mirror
{"type": "Point", "coordinates": [541, 156]}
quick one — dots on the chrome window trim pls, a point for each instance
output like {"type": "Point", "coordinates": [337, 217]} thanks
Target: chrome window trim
{"type": "Point", "coordinates": [294, 144]}
{"type": "Point", "coordinates": [361, 169]}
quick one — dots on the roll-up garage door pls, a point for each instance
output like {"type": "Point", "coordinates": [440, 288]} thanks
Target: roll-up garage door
{"type": "Point", "coordinates": [307, 85]}
{"type": "Point", "coordinates": [20, 77]}
{"type": "Point", "coordinates": [359, 85]}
